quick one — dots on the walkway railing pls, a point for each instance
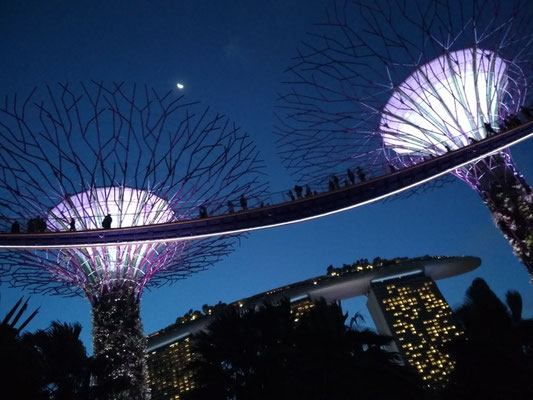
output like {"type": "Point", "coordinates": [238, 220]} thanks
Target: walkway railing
{"type": "Point", "coordinates": [272, 211]}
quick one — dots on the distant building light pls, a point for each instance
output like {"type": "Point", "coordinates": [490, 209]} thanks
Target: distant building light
{"type": "Point", "coordinates": [298, 298]}
{"type": "Point", "coordinates": [396, 276]}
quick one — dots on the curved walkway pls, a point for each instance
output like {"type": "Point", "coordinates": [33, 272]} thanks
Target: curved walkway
{"type": "Point", "coordinates": [275, 215]}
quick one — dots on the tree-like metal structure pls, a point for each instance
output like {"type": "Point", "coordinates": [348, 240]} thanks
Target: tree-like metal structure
{"type": "Point", "coordinates": [82, 156]}
{"type": "Point", "coordinates": [389, 84]}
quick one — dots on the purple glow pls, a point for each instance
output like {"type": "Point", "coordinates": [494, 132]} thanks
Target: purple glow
{"type": "Point", "coordinates": [444, 104]}
{"type": "Point", "coordinates": [391, 84]}
{"type": "Point", "coordinates": [87, 267]}
{"type": "Point", "coordinates": [141, 156]}
{"type": "Point", "coordinates": [127, 206]}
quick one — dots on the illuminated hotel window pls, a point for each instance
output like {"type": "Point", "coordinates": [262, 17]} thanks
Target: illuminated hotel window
{"type": "Point", "coordinates": [413, 311]}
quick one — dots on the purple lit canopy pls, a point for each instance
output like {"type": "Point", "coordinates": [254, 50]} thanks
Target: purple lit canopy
{"type": "Point", "coordinates": [388, 84]}
{"type": "Point", "coordinates": [84, 151]}
{"type": "Point", "coordinates": [362, 68]}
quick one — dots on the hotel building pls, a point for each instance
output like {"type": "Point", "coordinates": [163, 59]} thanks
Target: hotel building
{"type": "Point", "coordinates": [403, 301]}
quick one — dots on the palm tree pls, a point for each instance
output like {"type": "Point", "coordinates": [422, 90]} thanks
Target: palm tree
{"type": "Point", "coordinates": [335, 361]}
{"type": "Point", "coordinates": [64, 361]}
{"type": "Point", "coordinates": [20, 370]}
{"type": "Point", "coordinates": [240, 353]}
{"type": "Point", "coordinates": [48, 364]}
{"type": "Point", "coordinates": [494, 359]}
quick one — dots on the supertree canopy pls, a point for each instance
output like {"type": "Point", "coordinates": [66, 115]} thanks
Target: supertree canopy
{"type": "Point", "coordinates": [389, 84]}
{"type": "Point", "coordinates": [94, 156]}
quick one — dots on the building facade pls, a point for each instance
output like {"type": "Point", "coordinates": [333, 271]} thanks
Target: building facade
{"type": "Point", "coordinates": [403, 301]}
{"type": "Point", "coordinates": [411, 309]}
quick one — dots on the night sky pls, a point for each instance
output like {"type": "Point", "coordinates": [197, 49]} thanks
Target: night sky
{"type": "Point", "coordinates": [231, 56]}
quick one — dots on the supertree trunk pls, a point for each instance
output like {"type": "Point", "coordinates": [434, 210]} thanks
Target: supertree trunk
{"type": "Point", "coordinates": [119, 345]}
{"type": "Point", "coordinates": [510, 200]}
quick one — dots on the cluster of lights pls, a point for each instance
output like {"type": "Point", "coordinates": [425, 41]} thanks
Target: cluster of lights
{"type": "Point", "coordinates": [420, 337]}
{"type": "Point", "coordinates": [168, 373]}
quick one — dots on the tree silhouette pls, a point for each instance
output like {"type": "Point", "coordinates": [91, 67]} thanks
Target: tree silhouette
{"type": "Point", "coordinates": [265, 354]}
{"type": "Point", "coordinates": [494, 359]}
{"type": "Point", "coordinates": [20, 370]}
{"type": "Point", "coordinates": [63, 359]}
{"type": "Point", "coordinates": [47, 364]}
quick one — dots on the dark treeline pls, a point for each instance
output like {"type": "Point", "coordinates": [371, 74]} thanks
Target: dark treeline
{"type": "Point", "coordinates": [267, 353]}
{"type": "Point", "coordinates": [494, 359]}
{"type": "Point", "coordinates": [270, 354]}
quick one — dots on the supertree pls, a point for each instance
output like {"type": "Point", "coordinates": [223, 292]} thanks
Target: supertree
{"type": "Point", "coordinates": [388, 84]}
{"type": "Point", "coordinates": [73, 156]}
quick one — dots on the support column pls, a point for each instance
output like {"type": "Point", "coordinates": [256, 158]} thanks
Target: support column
{"type": "Point", "coordinates": [119, 345]}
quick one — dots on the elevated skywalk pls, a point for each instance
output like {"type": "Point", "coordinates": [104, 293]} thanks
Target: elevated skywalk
{"type": "Point", "coordinates": [299, 210]}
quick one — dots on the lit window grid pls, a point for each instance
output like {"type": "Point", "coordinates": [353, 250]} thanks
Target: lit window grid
{"type": "Point", "coordinates": [300, 308]}
{"type": "Point", "coordinates": [168, 377]}
{"type": "Point", "coordinates": [420, 320]}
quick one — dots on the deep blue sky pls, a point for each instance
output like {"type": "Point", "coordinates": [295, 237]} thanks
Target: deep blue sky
{"type": "Point", "coordinates": [231, 56]}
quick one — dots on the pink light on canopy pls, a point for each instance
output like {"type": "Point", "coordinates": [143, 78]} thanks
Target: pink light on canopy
{"type": "Point", "coordinates": [444, 104]}
{"type": "Point", "coordinates": [109, 265]}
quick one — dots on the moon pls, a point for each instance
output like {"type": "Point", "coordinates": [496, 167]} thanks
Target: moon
{"type": "Point", "coordinates": [180, 86]}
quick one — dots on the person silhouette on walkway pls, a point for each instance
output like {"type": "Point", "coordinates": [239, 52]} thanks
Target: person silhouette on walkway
{"type": "Point", "coordinates": [106, 223]}
{"type": "Point", "coordinates": [203, 212]}
{"type": "Point", "coordinates": [31, 227]}
{"type": "Point", "coordinates": [298, 190]}
{"type": "Point", "coordinates": [289, 193]}
{"type": "Point", "coordinates": [244, 203]}
{"type": "Point", "coordinates": [516, 120]}
{"type": "Point", "coordinates": [351, 175]}
{"type": "Point", "coordinates": [15, 227]}
{"type": "Point", "coordinates": [231, 209]}
{"type": "Point", "coordinates": [308, 192]}
{"type": "Point", "coordinates": [41, 224]}
{"type": "Point", "coordinates": [336, 182]}
{"type": "Point", "coordinates": [360, 174]}
{"type": "Point", "coordinates": [72, 225]}
{"type": "Point", "coordinates": [488, 128]}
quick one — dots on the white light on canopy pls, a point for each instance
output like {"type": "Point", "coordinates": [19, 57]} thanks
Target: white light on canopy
{"type": "Point", "coordinates": [128, 207]}
{"type": "Point", "coordinates": [444, 104]}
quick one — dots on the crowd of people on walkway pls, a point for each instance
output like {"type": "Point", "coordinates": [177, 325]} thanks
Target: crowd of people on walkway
{"type": "Point", "coordinates": [511, 121]}
{"type": "Point", "coordinates": [38, 225]}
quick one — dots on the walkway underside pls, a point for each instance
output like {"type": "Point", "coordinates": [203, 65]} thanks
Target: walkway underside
{"type": "Point", "coordinates": [278, 214]}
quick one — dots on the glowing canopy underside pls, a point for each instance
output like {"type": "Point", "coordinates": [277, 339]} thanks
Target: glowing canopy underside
{"type": "Point", "coordinates": [128, 207]}
{"type": "Point", "coordinates": [105, 264]}
{"type": "Point", "coordinates": [444, 104]}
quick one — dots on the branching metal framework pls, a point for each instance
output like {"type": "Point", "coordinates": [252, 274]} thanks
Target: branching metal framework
{"type": "Point", "coordinates": [388, 84]}
{"type": "Point", "coordinates": [95, 156]}
{"type": "Point", "coordinates": [82, 152]}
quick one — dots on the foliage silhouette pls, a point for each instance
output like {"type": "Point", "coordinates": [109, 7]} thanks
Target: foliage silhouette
{"type": "Point", "coordinates": [63, 360]}
{"type": "Point", "coordinates": [48, 364]}
{"type": "Point", "coordinates": [494, 359]}
{"type": "Point", "coordinates": [267, 353]}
